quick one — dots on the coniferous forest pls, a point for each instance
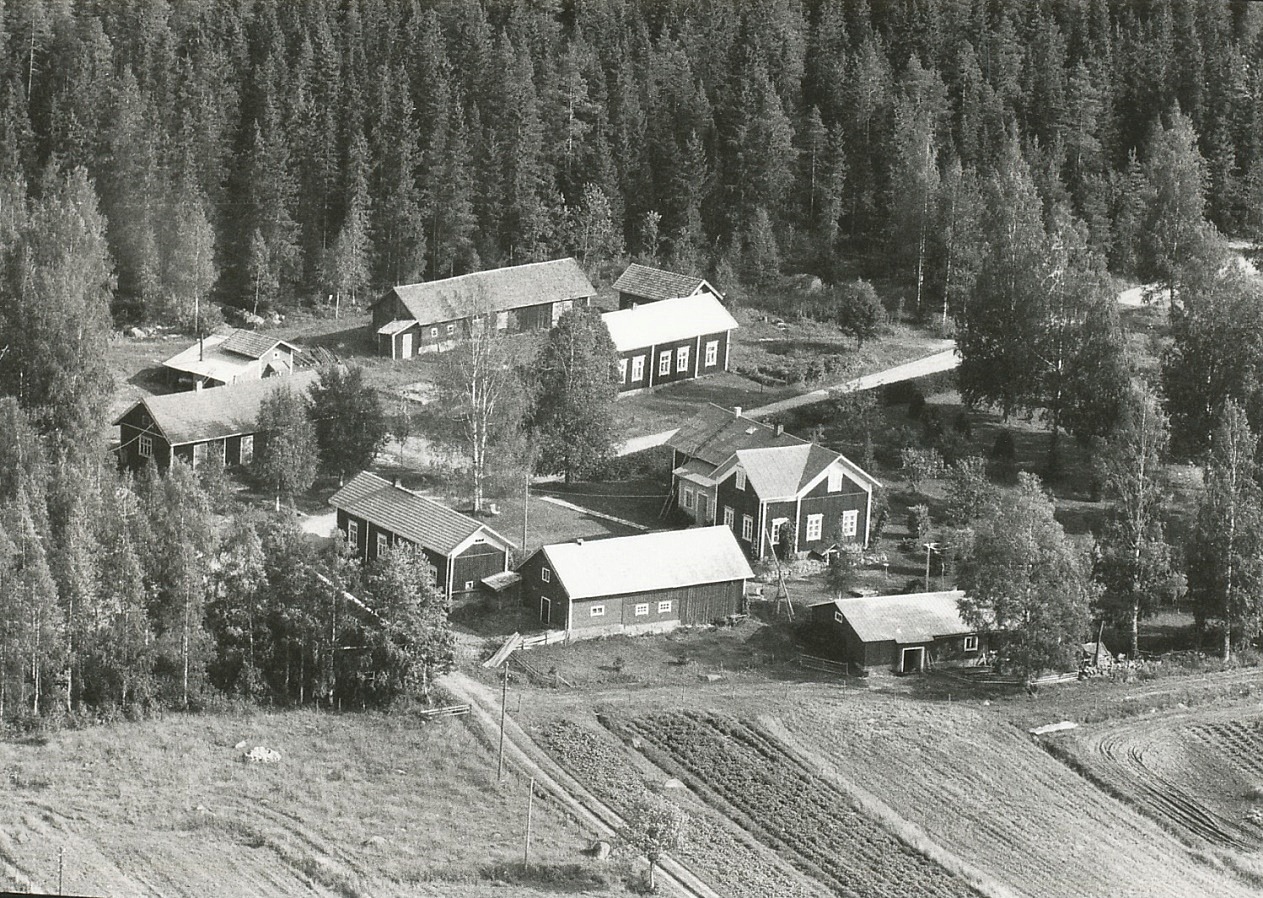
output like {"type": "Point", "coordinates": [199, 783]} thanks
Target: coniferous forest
{"type": "Point", "coordinates": [162, 160]}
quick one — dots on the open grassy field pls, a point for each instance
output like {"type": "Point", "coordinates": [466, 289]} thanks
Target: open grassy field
{"type": "Point", "coordinates": [358, 805]}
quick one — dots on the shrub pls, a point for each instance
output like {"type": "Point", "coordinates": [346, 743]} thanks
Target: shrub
{"type": "Point", "coordinates": [1004, 449]}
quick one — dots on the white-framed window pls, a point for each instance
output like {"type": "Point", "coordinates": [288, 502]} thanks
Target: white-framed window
{"type": "Point", "coordinates": [664, 607]}
{"type": "Point", "coordinates": [971, 643]}
{"type": "Point", "coordinates": [353, 532]}
{"type": "Point", "coordinates": [837, 616]}
{"type": "Point", "coordinates": [469, 584]}
{"type": "Point", "coordinates": [247, 449]}
{"type": "Point", "coordinates": [451, 329]}
{"type": "Point", "coordinates": [434, 332]}
{"type": "Point", "coordinates": [778, 524]}
{"type": "Point", "coordinates": [383, 544]}
{"type": "Point", "coordinates": [144, 445]}
{"type": "Point", "coordinates": [728, 516]}
{"type": "Point", "coordinates": [546, 575]}
{"type": "Point", "coordinates": [712, 353]}
{"type": "Point", "coordinates": [638, 369]}
{"type": "Point", "coordinates": [740, 479]}
{"type": "Point", "coordinates": [815, 526]}
{"type": "Point", "coordinates": [642, 609]}
{"type": "Point", "coordinates": [747, 527]}
{"type": "Point", "coordinates": [622, 371]}
{"type": "Point", "coordinates": [850, 523]}
{"type": "Point", "coordinates": [682, 359]}
{"type": "Point", "coordinates": [596, 611]}
{"type": "Point", "coordinates": [688, 498]}
{"type": "Point", "coordinates": [835, 480]}
{"type": "Point", "coordinates": [664, 362]}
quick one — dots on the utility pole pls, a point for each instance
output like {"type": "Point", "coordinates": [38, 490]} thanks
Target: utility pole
{"type": "Point", "coordinates": [530, 804]}
{"type": "Point", "coordinates": [929, 547]}
{"type": "Point", "coordinates": [504, 698]}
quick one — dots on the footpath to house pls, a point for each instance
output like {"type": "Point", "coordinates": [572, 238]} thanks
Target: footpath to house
{"type": "Point", "coordinates": [942, 359]}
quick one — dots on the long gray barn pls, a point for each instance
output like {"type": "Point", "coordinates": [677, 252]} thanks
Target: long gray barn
{"type": "Point", "coordinates": [649, 582]}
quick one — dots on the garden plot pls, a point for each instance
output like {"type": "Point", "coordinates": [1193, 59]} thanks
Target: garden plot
{"type": "Point", "coordinates": [1199, 775]}
{"type": "Point", "coordinates": [748, 775]}
{"type": "Point", "coordinates": [973, 783]}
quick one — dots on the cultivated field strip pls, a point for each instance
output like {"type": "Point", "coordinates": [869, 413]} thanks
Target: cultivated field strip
{"type": "Point", "coordinates": [997, 801]}
{"type": "Point", "coordinates": [811, 823]}
{"type": "Point", "coordinates": [1239, 742]}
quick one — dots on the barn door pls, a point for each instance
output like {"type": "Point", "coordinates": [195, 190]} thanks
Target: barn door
{"type": "Point", "coordinates": [405, 347]}
{"type": "Point", "coordinates": [912, 660]}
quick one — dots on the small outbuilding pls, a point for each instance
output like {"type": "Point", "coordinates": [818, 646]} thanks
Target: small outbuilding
{"type": "Point", "coordinates": [641, 284]}
{"type": "Point", "coordinates": [229, 357]}
{"type": "Point", "coordinates": [650, 582]}
{"type": "Point", "coordinates": [906, 633]}
{"type": "Point", "coordinates": [669, 341]}
{"type": "Point", "coordinates": [375, 514]}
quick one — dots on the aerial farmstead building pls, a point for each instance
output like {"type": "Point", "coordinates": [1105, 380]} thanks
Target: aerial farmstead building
{"type": "Point", "coordinates": [669, 341]}
{"type": "Point", "coordinates": [431, 316]}
{"type": "Point", "coordinates": [375, 514]}
{"type": "Point", "coordinates": [647, 583]}
{"type": "Point", "coordinates": [227, 358]}
{"type": "Point", "coordinates": [906, 634]}
{"type": "Point", "coordinates": [641, 284]}
{"type": "Point", "coordinates": [774, 490]}
{"type": "Point", "coordinates": [218, 425]}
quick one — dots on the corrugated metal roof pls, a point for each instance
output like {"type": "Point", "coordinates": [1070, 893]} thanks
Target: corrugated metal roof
{"type": "Point", "coordinates": [906, 619]}
{"type": "Point", "coordinates": [251, 344]}
{"type": "Point", "coordinates": [199, 415]}
{"type": "Point", "coordinates": [498, 290]}
{"type": "Point", "coordinates": [715, 433]}
{"type": "Point", "coordinates": [417, 518]}
{"type": "Point", "coordinates": [667, 559]}
{"type": "Point", "coordinates": [671, 319]}
{"type": "Point", "coordinates": [655, 284]}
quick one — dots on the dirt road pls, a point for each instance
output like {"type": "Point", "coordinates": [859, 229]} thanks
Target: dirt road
{"type": "Point", "coordinates": [942, 359]}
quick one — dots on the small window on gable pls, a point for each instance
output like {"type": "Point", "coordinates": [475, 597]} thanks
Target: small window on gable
{"type": "Point", "coordinates": [740, 479]}
{"type": "Point", "coordinates": [642, 609]}
{"type": "Point", "coordinates": [837, 616]}
{"type": "Point", "coordinates": [971, 643]}
{"type": "Point", "coordinates": [596, 611]}
{"type": "Point", "coordinates": [664, 607]}
{"type": "Point", "coordinates": [546, 575]}
{"type": "Point", "coordinates": [835, 480]}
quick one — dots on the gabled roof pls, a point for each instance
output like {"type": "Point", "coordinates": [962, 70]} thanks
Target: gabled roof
{"type": "Point", "coordinates": [251, 344]}
{"type": "Point", "coordinates": [654, 284]}
{"type": "Point", "coordinates": [715, 433]}
{"type": "Point", "coordinates": [224, 356]}
{"type": "Point", "coordinates": [418, 519]}
{"type": "Point", "coordinates": [667, 559]}
{"type": "Point", "coordinates": [498, 290]}
{"type": "Point", "coordinates": [668, 320]}
{"type": "Point", "coordinates": [906, 619]}
{"type": "Point", "coordinates": [783, 472]}
{"type": "Point", "coordinates": [199, 415]}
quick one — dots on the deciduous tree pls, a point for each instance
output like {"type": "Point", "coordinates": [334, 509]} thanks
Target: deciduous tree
{"type": "Point", "coordinates": [288, 454]}
{"type": "Point", "coordinates": [350, 422]}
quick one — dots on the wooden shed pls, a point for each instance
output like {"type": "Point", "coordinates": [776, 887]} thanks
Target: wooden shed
{"type": "Point", "coordinates": [669, 341]}
{"type": "Point", "coordinates": [906, 633]}
{"type": "Point", "coordinates": [649, 582]}
{"type": "Point", "coordinates": [641, 284]}
{"type": "Point", "coordinates": [375, 514]}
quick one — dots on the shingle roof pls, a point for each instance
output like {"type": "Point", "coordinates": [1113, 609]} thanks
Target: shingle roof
{"type": "Point", "coordinates": [664, 560]}
{"type": "Point", "coordinates": [655, 284]}
{"type": "Point", "coordinates": [416, 518]}
{"type": "Point", "coordinates": [906, 619]}
{"type": "Point", "coordinates": [497, 290]}
{"type": "Point", "coordinates": [781, 472]}
{"type": "Point", "coordinates": [715, 433]}
{"type": "Point", "coordinates": [199, 415]}
{"type": "Point", "coordinates": [663, 322]}
{"type": "Point", "coordinates": [251, 344]}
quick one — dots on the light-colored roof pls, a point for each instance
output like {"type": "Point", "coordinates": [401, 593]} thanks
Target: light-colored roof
{"type": "Point", "coordinates": [668, 320]}
{"type": "Point", "coordinates": [906, 619]}
{"type": "Point", "coordinates": [213, 356]}
{"type": "Point", "coordinates": [666, 559]}
{"type": "Point", "coordinates": [199, 415]}
{"type": "Point", "coordinates": [498, 290]}
{"type": "Point", "coordinates": [655, 284]}
{"type": "Point", "coordinates": [782, 472]}
{"type": "Point", "coordinates": [390, 328]}
{"type": "Point", "coordinates": [418, 519]}
{"type": "Point", "coordinates": [715, 433]}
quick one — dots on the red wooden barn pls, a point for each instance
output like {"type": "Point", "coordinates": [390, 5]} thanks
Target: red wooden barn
{"type": "Point", "coordinates": [641, 284]}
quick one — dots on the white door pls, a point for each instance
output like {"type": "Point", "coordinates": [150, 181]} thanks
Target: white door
{"type": "Point", "coordinates": [405, 348]}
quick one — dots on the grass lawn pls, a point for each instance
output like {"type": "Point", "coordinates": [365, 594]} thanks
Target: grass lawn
{"type": "Point", "coordinates": [359, 805]}
{"type": "Point", "coordinates": [639, 501]}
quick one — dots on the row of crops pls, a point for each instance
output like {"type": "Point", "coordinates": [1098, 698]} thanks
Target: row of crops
{"type": "Point", "coordinates": [1239, 741]}
{"type": "Point", "coordinates": [734, 864]}
{"type": "Point", "coordinates": [752, 779]}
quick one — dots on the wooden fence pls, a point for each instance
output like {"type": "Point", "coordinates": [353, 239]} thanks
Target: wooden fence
{"type": "Point", "coordinates": [824, 665]}
{"type": "Point", "coordinates": [445, 711]}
